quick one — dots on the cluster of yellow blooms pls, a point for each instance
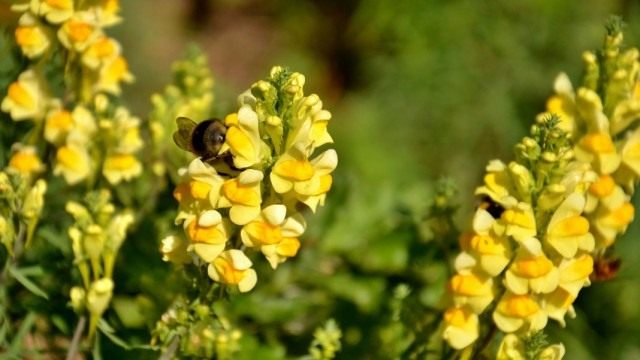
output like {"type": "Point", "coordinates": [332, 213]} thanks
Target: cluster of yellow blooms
{"type": "Point", "coordinates": [95, 68]}
{"type": "Point", "coordinates": [250, 196]}
{"type": "Point", "coordinates": [549, 215]}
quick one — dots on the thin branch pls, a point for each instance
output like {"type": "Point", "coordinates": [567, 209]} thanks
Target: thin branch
{"type": "Point", "coordinates": [77, 335]}
{"type": "Point", "coordinates": [171, 350]}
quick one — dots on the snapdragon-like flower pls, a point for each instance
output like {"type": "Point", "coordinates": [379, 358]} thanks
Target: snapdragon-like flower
{"type": "Point", "coordinates": [233, 267]}
{"type": "Point", "coordinates": [26, 161]}
{"type": "Point", "coordinates": [26, 98]}
{"type": "Point", "coordinates": [31, 36]}
{"type": "Point", "coordinates": [274, 234]}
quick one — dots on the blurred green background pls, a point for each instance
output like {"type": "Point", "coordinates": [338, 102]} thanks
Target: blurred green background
{"type": "Point", "coordinates": [418, 90]}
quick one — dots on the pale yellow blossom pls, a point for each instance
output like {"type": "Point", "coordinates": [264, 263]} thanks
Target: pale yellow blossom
{"type": "Point", "coordinates": [73, 162]}
{"type": "Point", "coordinates": [112, 74]}
{"type": "Point", "coordinates": [208, 234]}
{"type": "Point", "coordinates": [515, 312]}
{"type": "Point", "coordinates": [461, 327]}
{"type": "Point", "coordinates": [243, 195]}
{"type": "Point", "coordinates": [25, 98]}
{"type": "Point", "coordinates": [473, 290]}
{"type": "Point", "coordinates": [31, 36]}
{"type": "Point", "coordinates": [55, 11]}
{"type": "Point", "coordinates": [233, 267]}
{"type": "Point", "coordinates": [79, 31]}
{"type": "Point", "coordinates": [568, 231]}
{"type": "Point", "coordinates": [274, 234]}
{"type": "Point", "coordinates": [26, 161]}
{"type": "Point", "coordinates": [121, 166]}
{"type": "Point", "coordinates": [531, 270]}
{"type": "Point", "coordinates": [243, 138]}
{"type": "Point", "coordinates": [101, 52]}
{"type": "Point", "coordinates": [308, 180]}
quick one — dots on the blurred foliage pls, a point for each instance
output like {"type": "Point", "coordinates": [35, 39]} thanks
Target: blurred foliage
{"type": "Point", "coordinates": [419, 89]}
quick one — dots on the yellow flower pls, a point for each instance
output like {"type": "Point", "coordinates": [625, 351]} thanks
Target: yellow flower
{"type": "Point", "coordinates": [598, 149]}
{"type": "Point", "coordinates": [612, 217]}
{"type": "Point", "coordinates": [512, 348]}
{"type": "Point", "coordinates": [275, 235]}
{"type": "Point", "coordinates": [55, 11]}
{"type": "Point", "coordinates": [563, 104]}
{"type": "Point", "coordinates": [310, 131]}
{"type": "Point", "coordinates": [233, 267]}
{"type": "Point", "coordinates": [520, 223]}
{"type": "Point", "coordinates": [201, 183]}
{"type": "Point", "coordinates": [112, 74]}
{"type": "Point", "coordinates": [243, 195]}
{"type": "Point", "coordinates": [127, 131]}
{"type": "Point", "coordinates": [208, 234]}
{"type": "Point", "coordinates": [118, 167]}
{"type": "Point", "coordinates": [101, 52]}
{"type": "Point", "coordinates": [461, 328]}
{"type": "Point", "coordinates": [568, 231]}
{"type": "Point", "coordinates": [531, 270]}
{"type": "Point", "coordinates": [25, 98]}
{"type": "Point", "coordinates": [243, 138]}
{"type": "Point", "coordinates": [574, 275]}
{"type": "Point", "coordinates": [108, 12]}
{"type": "Point", "coordinates": [73, 162]}
{"type": "Point", "coordinates": [31, 36]}
{"type": "Point", "coordinates": [58, 124]}
{"type": "Point", "coordinates": [26, 161]}
{"type": "Point", "coordinates": [515, 312]}
{"type": "Point", "coordinates": [487, 244]}
{"type": "Point", "coordinates": [473, 290]}
{"type": "Point", "coordinates": [309, 180]}
{"type": "Point", "coordinates": [79, 31]}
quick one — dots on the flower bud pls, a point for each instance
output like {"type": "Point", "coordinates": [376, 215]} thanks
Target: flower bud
{"type": "Point", "coordinates": [99, 296]}
{"type": "Point", "coordinates": [78, 297]}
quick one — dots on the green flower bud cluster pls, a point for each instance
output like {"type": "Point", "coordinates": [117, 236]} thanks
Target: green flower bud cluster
{"type": "Point", "coordinates": [96, 236]}
{"type": "Point", "coordinates": [21, 203]}
{"type": "Point", "coordinates": [196, 330]}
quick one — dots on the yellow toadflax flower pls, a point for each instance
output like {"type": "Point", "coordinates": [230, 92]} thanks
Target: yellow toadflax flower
{"type": "Point", "coordinates": [55, 11]}
{"type": "Point", "coordinates": [243, 195]}
{"type": "Point", "coordinates": [275, 235]}
{"type": "Point", "coordinates": [26, 161]}
{"type": "Point", "coordinates": [101, 52]}
{"type": "Point", "coordinates": [79, 31]}
{"type": "Point", "coordinates": [519, 312]}
{"type": "Point", "coordinates": [461, 327]}
{"type": "Point", "coordinates": [25, 98]}
{"type": "Point", "coordinates": [568, 231]}
{"type": "Point", "coordinates": [243, 138]}
{"type": "Point", "coordinates": [31, 36]}
{"type": "Point", "coordinates": [208, 234]}
{"type": "Point", "coordinates": [233, 267]}
{"type": "Point", "coordinates": [308, 180]}
{"type": "Point", "coordinates": [112, 74]}
{"type": "Point", "coordinates": [73, 162]}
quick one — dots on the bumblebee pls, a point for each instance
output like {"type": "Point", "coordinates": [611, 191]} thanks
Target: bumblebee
{"type": "Point", "coordinates": [203, 139]}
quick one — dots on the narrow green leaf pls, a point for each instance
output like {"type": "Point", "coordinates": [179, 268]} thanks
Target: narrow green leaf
{"type": "Point", "coordinates": [24, 280]}
{"type": "Point", "coordinates": [24, 329]}
{"type": "Point", "coordinates": [106, 329]}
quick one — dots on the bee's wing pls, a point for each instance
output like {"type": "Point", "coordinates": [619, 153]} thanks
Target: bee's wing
{"type": "Point", "coordinates": [182, 136]}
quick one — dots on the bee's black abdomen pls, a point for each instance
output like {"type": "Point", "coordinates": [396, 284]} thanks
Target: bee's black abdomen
{"type": "Point", "coordinates": [198, 140]}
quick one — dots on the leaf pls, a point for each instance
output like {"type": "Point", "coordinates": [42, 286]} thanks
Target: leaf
{"type": "Point", "coordinates": [26, 325]}
{"type": "Point", "coordinates": [110, 332]}
{"type": "Point", "coordinates": [24, 280]}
